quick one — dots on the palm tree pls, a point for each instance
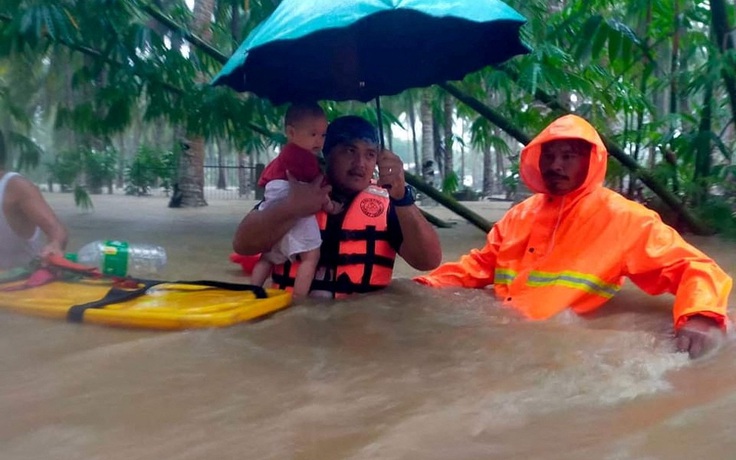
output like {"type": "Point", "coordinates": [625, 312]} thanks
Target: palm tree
{"type": "Point", "coordinates": [427, 120]}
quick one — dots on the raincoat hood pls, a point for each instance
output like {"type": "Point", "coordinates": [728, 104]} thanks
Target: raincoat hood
{"type": "Point", "coordinates": [567, 127]}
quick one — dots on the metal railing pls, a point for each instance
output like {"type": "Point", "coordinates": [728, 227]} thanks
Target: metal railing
{"type": "Point", "coordinates": [227, 182]}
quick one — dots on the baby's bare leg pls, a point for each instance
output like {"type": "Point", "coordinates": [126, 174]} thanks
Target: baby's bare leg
{"type": "Point", "coordinates": [261, 271]}
{"type": "Point", "coordinates": [305, 272]}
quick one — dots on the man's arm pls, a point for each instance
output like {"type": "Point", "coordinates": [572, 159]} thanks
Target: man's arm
{"type": "Point", "coordinates": [260, 230]}
{"type": "Point", "coordinates": [474, 270]}
{"type": "Point", "coordinates": [421, 245]}
{"type": "Point", "coordinates": [36, 212]}
{"type": "Point", "coordinates": [660, 260]}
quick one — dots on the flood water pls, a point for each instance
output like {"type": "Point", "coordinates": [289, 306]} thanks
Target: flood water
{"type": "Point", "coordinates": [408, 373]}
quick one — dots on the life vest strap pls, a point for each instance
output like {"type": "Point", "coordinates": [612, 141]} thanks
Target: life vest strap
{"type": "Point", "coordinates": [367, 234]}
{"type": "Point", "coordinates": [357, 259]}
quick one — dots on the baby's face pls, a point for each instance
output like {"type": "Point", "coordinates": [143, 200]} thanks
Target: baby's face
{"type": "Point", "coordinates": [308, 133]}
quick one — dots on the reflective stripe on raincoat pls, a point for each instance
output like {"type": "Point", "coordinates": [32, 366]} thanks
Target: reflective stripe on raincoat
{"type": "Point", "coordinates": [550, 252]}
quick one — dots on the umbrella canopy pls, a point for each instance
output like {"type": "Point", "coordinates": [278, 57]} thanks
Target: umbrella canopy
{"type": "Point", "coordinates": [361, 49]}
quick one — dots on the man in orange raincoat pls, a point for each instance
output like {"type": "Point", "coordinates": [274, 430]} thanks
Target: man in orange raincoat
{"type": "Point", "coordinates": [571, 244]}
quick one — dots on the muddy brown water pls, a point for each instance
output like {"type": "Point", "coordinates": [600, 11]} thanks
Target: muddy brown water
{"type": "Point", "coordinates": [409, 373]}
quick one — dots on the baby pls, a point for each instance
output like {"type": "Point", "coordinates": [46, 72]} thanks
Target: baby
{"type": "Point", "coordinates": [306, 126]}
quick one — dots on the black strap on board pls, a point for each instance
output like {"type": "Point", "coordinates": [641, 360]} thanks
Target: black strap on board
{"type": "Point", "coordinates": [75, 314]}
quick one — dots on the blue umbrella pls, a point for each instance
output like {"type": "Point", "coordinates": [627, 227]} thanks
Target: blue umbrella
{"type": "Point", "coordinates": [310, 50]}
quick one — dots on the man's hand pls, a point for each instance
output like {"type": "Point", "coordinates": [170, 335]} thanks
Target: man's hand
{"type": "Point", "coordinates": [391, 174]}
{"type": "Point", "coordinates": [307, 198]}
{"type": "Point", "coordinates": [698, 336]}
{"type": "Point", "coordinates": [332, 207]}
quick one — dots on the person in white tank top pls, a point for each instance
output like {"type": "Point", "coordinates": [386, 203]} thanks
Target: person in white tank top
{"type": "Point", "coordinates": [25, 217]}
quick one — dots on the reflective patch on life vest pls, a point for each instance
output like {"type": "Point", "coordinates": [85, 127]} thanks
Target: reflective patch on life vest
{"type": "Point", "coordinates": [576, 280]}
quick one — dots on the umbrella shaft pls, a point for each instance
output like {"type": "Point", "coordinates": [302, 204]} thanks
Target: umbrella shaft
{"type": "Point", "coordinates": [379, 122]}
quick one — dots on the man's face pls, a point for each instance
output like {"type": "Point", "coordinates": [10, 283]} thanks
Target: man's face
{"type": "Point", "coordinates": [350, 165]}
{"type": "Point", "coordinates": [564, 164]}
{"type": "Point", "coordinates": [308, 133]}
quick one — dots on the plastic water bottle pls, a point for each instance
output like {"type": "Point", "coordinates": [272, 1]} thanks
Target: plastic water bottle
{"type": "Point", "coordinates": [120, 258]}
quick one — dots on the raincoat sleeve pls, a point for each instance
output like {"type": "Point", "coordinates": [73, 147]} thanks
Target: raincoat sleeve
{"type": "Point", "coordinates": [660, 260]}
{"type": "Point", "coordinates": [473, 270]}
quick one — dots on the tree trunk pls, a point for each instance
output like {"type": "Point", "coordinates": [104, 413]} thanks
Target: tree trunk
{"type": "Point", "coordinates": [462, 154]}
{"type": "Point", "coordinates": [448, 120]}
{"type": "Point", "coordinates": [487, 171]}
{"type": "Point", "coordinates": [191, 173]}
{"type": "Point", "coordinates": [425, 116]}
{"type": "Point", "coordinates": [500, 172]}
{"type": "Point", "coordinates": [414, 143]}
{"type": "Point", "coordinates": [633, 186]}
{"type": "Point", "coordinates": [439, 149]}
{"type": "Point", "coordinates": [253, 160]}
{"type": "Point", "coordinates": [675, 59]}
{"type": "Point", "coordinates": [221, 177]}
{"type": "Point", "coordinates": [191, 162]}
{"type": "Point", "coordinates": [123, 154]}
{"type": "Point", "coordinates": [703, 160]}
{"type": "Point", "coordinates": [242, 174]}
{"type": "Point", "coordinates": [725, 42]}
{"type": "Point", "coordinates": [235, 26]}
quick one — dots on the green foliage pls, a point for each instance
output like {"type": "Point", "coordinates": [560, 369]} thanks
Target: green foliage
{"type": "Point", "coordinates": [99, 167]}
{"type": "Point", "coordinates": [82, 168]}
{"type": "Point", "coordinates": [149, 168]}
{"type": "Point", "coordinates": [718, 213]}
{"type": "Point", "coordinates": [65, 169]}
{"type": "Point", "coordinates": [82, 198]}
{"type": "Point", "coordinates": [511, 180]}
{"type": "Point", "coordinates": [450, 183]}
{"type": "Point", "coordinates": [28, 152]}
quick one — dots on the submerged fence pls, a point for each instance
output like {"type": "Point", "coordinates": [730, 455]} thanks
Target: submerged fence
{"type": "Point", "coordinates": [231, 182]}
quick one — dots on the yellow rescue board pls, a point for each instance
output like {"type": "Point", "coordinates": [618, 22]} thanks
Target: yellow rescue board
{"type": "Point", "coordinates": [167, 306]}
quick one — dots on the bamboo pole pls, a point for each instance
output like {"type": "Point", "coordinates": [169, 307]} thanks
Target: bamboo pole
{"type": "Point", "coordinates": [449, 202]}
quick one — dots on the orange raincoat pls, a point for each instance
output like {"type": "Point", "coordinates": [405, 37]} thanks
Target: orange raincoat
{"type": "Point", "coordinates": [550, 252]}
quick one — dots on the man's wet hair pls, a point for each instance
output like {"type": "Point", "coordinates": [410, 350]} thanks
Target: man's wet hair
{"type": "Point", "coordinates": [577, 143]}
{"type": "Point", "coordinates": [349, 128]}
{"type": "Point", "coordinates": [301, 110]}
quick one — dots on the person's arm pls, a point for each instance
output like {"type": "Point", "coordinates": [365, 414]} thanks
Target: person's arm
{"type": "Point", "coordinates": [421, 245]}
{"type": "Point", "coordinates": [36, 211]}
{"type": "Point", "coordinates": [659, 261]}
{"type": "Point", "coordinates": [260, 230]}
{"type": "Point", "coordinates": [473, 270]}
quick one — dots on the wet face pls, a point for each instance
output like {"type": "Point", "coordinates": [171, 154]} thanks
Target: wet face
{"type": "Point", "coordinates": [350, 165]}
{"type": "Point", "coordinates": [564, 164]}
{"type": "Point", "coordinates": [308, 133]}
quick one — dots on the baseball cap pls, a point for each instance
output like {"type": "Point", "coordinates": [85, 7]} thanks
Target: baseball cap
{"type": "Point", "coordinates": [349, 128]}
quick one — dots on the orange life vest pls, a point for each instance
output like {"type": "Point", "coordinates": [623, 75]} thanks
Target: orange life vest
{"type": "Point", "coordinates": [365, 259]}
